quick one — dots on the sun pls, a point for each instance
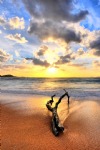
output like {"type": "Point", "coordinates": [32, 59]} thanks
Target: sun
{"type": "Point", "coordinates": [52, 70]}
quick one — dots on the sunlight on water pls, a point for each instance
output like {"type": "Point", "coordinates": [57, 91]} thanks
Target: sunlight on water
{"type": "Point", "coordinates": [78, 88]}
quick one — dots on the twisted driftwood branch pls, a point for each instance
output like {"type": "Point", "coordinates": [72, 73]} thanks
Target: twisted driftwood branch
{"type": "Point", "coordinates": [56, 126]}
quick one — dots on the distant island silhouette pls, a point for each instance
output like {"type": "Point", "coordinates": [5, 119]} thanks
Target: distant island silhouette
{"type": "Point", "coordinates": [7, 75]}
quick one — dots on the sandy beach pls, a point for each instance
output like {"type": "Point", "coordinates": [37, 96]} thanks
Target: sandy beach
{"type": "Point", "coordinates": [26, 124]}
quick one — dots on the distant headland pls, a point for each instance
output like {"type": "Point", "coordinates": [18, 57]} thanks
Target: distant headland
{"type": "Point", "coordinates": [7, 75]}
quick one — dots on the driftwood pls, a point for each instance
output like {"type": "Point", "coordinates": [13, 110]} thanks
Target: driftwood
{"type": "Point", "coordinates": [56, 126]}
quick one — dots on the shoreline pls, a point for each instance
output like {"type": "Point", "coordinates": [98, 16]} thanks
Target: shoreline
{"type": "Point", "coordinates": [26, 124]}
{"type": "Point", "coordinates": [32, 95]}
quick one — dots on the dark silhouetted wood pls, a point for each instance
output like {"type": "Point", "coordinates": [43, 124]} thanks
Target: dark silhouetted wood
{"type": "Point", "coordinates": [56, 126]}
{"type": "Point", "coordinates": [67, 95]}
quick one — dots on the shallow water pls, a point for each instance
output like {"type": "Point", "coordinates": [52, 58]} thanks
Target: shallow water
{"type": "Point", "coordinates": [78, 88]}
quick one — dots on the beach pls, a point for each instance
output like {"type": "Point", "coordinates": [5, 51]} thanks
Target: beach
{"type": "Point", "coordinates": [26, 124]}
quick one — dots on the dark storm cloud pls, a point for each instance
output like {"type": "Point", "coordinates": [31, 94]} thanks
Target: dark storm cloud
{"type": "Point", "coordinates": [70, 35]}
{"type": "Point", "coordinates": [42, 50]}
{"type": "Point", "coordinates": [54, 9]}
{"type": "Point", "coordinates": [54, 30]}
{"type": "Point", "coordinates": [48, 15]}
{"type": "Point", "coordinates": [96, 45]}
{"type": "Point", "coordinates": [39, 62]}
{"type": "Point", "coordinates": [65, 59]}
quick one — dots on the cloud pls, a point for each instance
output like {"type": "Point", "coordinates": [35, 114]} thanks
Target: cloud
{"type": "Point", "coordinates": [48, 29]}
{"type": "Point", "coordinates": [2, 20]}
{"type": "Point", "coordinates": [96, 46]}
{"type": "Point", "coordinates": [16, 23]}
{"type": "Point", "coordinates": [17, 53]}
{"type": "Point", "coordinates": [80, 51]}
{"type": "Point", "coordinates": [4, 56]}
{"type": "Point", "coordinates": [78, 65]}
{"type": "Point", "coordinates": [54, 10]}
{"type": "Point", "coordinates": [52, 57]}
{"type": "Point", "coordinates": [96, 63]}
{"type": "Point", "coordinates": [47, 53]}
{"type": "Point", "coordinates": [65, 59]}
{"type": "Point", "coordinates": [48, 17]}
{"type": "Point", "coordinates": [17, 37]}
{"type": "Point", "coordinates": [37, 61]}
{"type": "Point", "coordinates": [42, 50]}
{"type": "Point", "coordinates": [15, 66]}
{"type": "Point", "coordinates": [12, 23]}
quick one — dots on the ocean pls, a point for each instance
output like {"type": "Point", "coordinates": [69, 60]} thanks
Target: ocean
{"type": "Point", "coordinates": [78, 88]}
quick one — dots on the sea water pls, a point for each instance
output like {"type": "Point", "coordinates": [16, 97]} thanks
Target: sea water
{"type": "Point", "coordinates": [78, 88]}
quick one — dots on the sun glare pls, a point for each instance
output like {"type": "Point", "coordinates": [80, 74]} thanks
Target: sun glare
{"type": "Point", "coordinates": [52, 70]}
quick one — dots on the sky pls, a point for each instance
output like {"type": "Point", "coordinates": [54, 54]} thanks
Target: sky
{"type": "Point", "coordinates": [50, 38]}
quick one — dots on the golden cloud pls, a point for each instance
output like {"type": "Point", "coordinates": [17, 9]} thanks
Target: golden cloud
{"type": "Point", "coordinates": [4, 56]}
{"type": "Point", "coordinates": [17, 23]}
{"type": "Point", "coordinates": [17, 37]}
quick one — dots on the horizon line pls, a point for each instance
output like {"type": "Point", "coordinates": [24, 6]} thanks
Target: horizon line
{"type": "Point", "coordinates": [10, 75]}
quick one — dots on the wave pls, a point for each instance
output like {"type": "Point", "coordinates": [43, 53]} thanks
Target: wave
{"type": "Point", "coordinates": [71, 79]}
{"type": "Point", "coordinates": [77, 87]}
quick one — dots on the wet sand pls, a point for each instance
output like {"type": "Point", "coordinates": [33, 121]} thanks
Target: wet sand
{"type": "Point", "coordinates": [25, 124]}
